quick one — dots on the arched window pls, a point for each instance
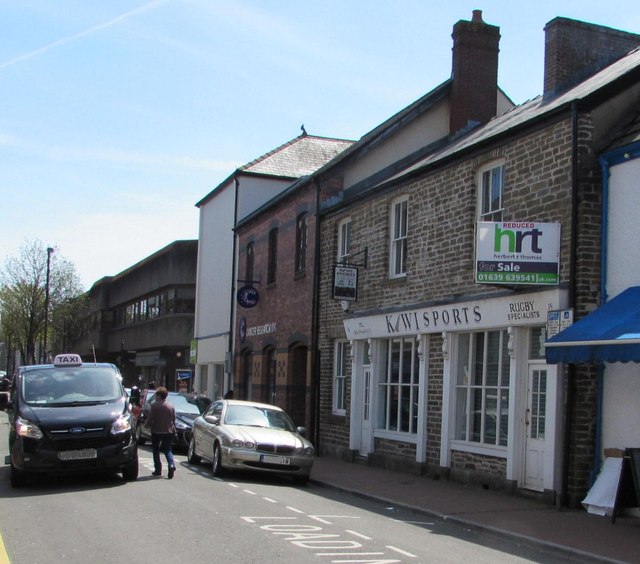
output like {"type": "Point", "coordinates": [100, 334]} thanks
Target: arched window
{"type": "Point", "coordinates": [273, 256]}
{"type": "Point", "coordinates": [248, 270]}
{"type": "Point", "coordinates": [301, 242]}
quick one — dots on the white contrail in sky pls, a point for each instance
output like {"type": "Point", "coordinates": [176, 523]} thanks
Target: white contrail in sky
{"type": "Point", "coordinates": [71, 38]}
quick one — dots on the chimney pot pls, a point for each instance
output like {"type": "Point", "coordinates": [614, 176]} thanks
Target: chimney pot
{"type": "Point", "coordinates": [477, 16]}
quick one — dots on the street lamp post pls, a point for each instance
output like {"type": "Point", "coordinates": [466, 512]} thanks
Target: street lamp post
{"type": "Point", "coordinates": [46, 303]}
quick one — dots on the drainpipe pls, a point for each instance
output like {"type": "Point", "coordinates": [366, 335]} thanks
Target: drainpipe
{"type": "Point", "coordinates": [232, 310]}
{"type": "Point", "coordinates": [315, 353]}
{"type": "Point", "coordinates": [603, 298]}
{"type": "Point", "coordinates": [571, 369]}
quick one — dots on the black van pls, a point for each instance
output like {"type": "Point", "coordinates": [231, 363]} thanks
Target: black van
{"type": "Point", "coordinates": [69, 417]}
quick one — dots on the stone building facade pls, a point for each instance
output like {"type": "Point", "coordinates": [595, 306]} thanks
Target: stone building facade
{"type": "Point", "coordinates": [432, 369]}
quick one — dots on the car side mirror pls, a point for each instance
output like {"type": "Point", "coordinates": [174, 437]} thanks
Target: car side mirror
{"type": "Point", "coordinates": [301, 431]}
{"type": "Point", "coordinates": [212, 419]}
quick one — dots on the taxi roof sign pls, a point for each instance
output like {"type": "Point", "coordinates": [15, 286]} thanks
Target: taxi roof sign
{"type": "Point", "coordinates": [67, 360]}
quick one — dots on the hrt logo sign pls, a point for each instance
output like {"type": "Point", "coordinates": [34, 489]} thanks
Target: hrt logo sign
{"type": "Point", "coordinates": [515, 235]}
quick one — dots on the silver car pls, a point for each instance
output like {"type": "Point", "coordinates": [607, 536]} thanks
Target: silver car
{"type": "Point", "coordinates": [244, 435]}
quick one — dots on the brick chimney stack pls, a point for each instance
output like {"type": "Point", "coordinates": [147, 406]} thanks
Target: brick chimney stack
{"type": "Point", "coordinates": [576, 50]}
{"type": "Point", "coordinates": [474, 72]}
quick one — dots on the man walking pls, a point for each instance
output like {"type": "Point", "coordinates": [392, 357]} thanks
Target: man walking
{"type": "Point", "coordinates": [162, 420]}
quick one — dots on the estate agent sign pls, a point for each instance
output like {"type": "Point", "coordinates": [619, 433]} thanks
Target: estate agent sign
{"type": "Point", "coordinates": [517, 252]}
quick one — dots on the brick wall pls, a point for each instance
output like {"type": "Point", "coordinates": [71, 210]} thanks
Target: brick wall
{"type": "Point", "coordinates": [575, 50]}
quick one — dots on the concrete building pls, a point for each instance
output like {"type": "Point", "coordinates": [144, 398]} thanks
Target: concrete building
{"type": "Point", "coordinates": [142, 319]}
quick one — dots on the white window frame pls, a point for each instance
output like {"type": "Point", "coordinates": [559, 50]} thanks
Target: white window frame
{"type": "Point", "coordinates": [342, 359]}
{"type": "Point", "coordinates": [490, 178]}
{"type": "Point", "coordinates": [398, 233]}
{"type": "Point", "coordinates": [468, 385]}
{"type": "Point", "coordinates": [344, 240]}
{"type": "Point", "coordinates": [389, 417]}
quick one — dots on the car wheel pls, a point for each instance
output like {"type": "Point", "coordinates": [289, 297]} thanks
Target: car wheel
{"type": "Point", "coordinates": [301, 480]}
{"type": "Point", "coordinates": [192, 457]}
{"type": "Point", "coordinates": [18, 477]}
{"type": "Point", "coordinates": [130, 472]}
{"type": "Point", "coordinates": [218, 471]}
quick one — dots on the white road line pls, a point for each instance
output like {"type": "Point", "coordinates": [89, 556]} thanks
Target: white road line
{"type": "Point", "coordinates": [349, 554]}
{"type": "Point", "coordinates": [253, 519]}
{"type": "Point", "coordinates": [360, 535]}
{"type": "Point", "coordinates": [403, 552]}
{"type": "Point", "coordinates": [249, 492]}
{"type": "Point", "coordinates": [294, 509]}
{"type": "Point", "coordinates": [269, 500]}
{"type": "Point", "coordinates": [320, 518]}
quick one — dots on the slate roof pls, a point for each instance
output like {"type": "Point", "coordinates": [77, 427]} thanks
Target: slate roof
{"type": "Point", "coordinates": [299, 157]}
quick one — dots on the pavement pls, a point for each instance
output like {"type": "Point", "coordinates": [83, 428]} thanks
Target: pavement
{"type": "Point", "coordinates": [574, 532]}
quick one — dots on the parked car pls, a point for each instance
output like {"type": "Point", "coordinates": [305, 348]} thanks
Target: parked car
{"type": "Point", "coordinates": [69, 417]}
{"type": "Point", "coordinates": [242, 435]}
{"type": "Point", "coordinates": [188, 407]}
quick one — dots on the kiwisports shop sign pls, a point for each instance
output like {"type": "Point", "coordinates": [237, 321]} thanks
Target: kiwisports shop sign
{"type": "Point", "coordinates": [517, 252]}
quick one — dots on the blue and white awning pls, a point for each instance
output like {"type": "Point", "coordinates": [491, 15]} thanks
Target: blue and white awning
{"type": "Point", "coordinates": [611, 333]}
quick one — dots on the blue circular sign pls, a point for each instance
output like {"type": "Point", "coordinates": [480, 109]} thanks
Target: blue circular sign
{"type": "Point", "coordinates": [248, 296]}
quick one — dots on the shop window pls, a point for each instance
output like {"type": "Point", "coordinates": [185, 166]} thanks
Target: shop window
{"type": "Point", "coordinates": [398, 238]}
{"type": "Point", "coordinates": [399, 386]}
{"type": "Point", "coordinates": [342, 357]}
{"type": "Point", "coordinates": [482, 388]}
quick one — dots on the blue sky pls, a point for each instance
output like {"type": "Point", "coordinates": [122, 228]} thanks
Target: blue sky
{"type": "Point", "coordinates": [118, 116]}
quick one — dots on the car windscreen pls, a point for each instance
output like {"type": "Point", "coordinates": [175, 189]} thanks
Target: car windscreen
{"type": "Point", "coordinates": [58, 386]}
{"type": "Point", "coordinates": [255, 416]}
{"type": "Point", "coordinates": [188, 404]}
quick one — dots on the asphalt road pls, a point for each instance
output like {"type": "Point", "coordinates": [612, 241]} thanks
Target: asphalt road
{"type": "Point", "coordinates": [243, 518]}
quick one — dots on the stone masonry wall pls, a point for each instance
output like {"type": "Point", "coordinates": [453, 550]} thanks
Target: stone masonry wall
{"type": "Point", "coordinates": [440, 256]}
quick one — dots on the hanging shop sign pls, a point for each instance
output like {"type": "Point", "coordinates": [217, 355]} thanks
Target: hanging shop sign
{"type": "Point", "coordinates": [517, 252]}
{"type": "Point", "coordinates": [345, 283]}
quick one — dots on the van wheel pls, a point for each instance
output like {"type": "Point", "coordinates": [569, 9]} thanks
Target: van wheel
{"type": "Point", "coordinates": [218, 471]}
{"type": "Point", "coordinates": [192, 457]}
{"type": "Point", "coordinates": [18, 477]}
{"type": "Point", "coordinates": [130, 472]}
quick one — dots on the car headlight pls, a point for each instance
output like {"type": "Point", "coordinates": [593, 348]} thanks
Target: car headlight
{"type": "Point", "coordinates": [304, 451]}
{"type": "Point", "coordinates": [239, 443]}
{"type": "Point", "coordinates": [27, 429]}
{"type": "Point", "coordinates": [181, 425]}
{"type": "Point", "coordinates": [121, 424]}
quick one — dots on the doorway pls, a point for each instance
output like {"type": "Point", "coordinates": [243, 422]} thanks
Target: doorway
{"type": "Point", "coordinates": [536, 432]}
